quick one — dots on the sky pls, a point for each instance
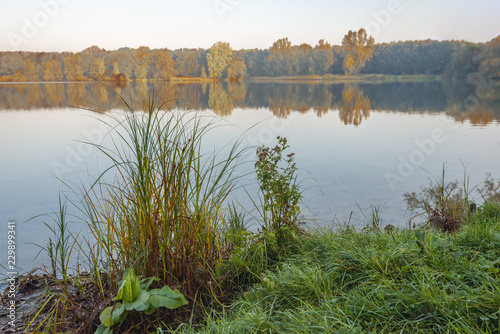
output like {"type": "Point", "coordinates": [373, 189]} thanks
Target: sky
{"type": "Point", "coordinates": [73, 25]}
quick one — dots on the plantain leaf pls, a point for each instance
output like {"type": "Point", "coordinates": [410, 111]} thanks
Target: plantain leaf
{"type": "Point", "coordinates": [150, 309]}
{"type": "Point", "coordinates": [105, 317]}
{"type": "Point", "coordinates": [141, 303]}
{"type": "Point", "coordinates": [167, 297]}
{"type": "Point", "coordinates": [130, 287]}
{"type": "Point", "coordinates": [119, 313]}
{"type": "Point", "coordinates": [146, 282]}
{"type": "Point", "coordinates": [103, 330]}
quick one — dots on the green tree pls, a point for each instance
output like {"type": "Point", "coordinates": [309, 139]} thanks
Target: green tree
{"type": "Point", "coordinates": [490, 59]}
{"type": "Point", "coordinates": [462, 60]}
{"type": "Point", "coordinates": [358, 49]}
{"type": "Point", "coordinates": [322, 57]}
{"type": "Point", "coordinates": [218, 59]}
{"type": "Point", "coordinates": [304, 59]}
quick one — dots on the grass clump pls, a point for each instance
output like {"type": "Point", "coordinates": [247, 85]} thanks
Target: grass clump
{"type": "Point", "coordinates": [445, 204]}
{"type": "Point", "coordinates": [159, 210]}
{"type": "Point", "coordinates": [163, 213]}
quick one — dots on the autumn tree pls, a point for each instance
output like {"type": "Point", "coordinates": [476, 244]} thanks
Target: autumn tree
{"type": "Point", "coordinates": [203, 73]}
{"type": "Point", "coordinates": [11, 64]}
{"type": "Point", "coordinates": [72, 67]}
{"type": "Point", "coordinates": [98, 69]}
{"type": "Point", "coordinates": [124, 62]}
{"type": "Point", "coordinates": [236, 69]}
{"type": "Point", "coordinates": [30, 70]}
{"type": "Point", "coordinates": [281, 59]}
{"type": "Point", "coordinates": [186, 62]}
{"type": "Point", "coordinates": [52, 70]}
{"type": "Point", "coordinates": [89, 57]}
{"type": "Point", "coordinates": [358, 49]}
{"type": "Point", "coordinates": [218, 59]}
{"type": "Point", "coordinates": [141, 63]}
{"type": "Point", "coordinates": [163, 66]}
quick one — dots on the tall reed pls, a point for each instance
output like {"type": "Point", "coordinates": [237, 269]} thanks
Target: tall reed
{"type": "Point", "coordinates": [162, 214]}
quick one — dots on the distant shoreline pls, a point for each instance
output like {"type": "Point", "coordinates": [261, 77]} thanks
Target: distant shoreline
{"type": "Point", "coordinates": [347, 78]}
{"type": "Point", "coordinates": [300, 78]}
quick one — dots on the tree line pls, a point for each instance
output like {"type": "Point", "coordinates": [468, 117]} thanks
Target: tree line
{"type": "Point", "coordinates": [358, 54]}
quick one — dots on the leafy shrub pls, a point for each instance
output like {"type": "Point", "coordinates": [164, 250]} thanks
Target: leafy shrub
{"type": "Point", "coordinates": [281, 194]}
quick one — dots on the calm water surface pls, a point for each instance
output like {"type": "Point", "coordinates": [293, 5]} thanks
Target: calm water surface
{"type": "Point", "coordinates": [355, 144]}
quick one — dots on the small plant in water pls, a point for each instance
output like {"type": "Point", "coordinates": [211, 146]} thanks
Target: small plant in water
{"type": "Point", "coordinates": [281, 194]}
{"type": "Point", "coordinates": [490, 190]}
{"type": "Point", "coordinates": [444, 203]}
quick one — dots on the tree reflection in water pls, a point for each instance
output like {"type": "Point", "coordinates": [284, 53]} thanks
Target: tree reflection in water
{"type": "Point", "coordinates": [354, 101]}
{"type": "Point", "coordinates": [354, 105]}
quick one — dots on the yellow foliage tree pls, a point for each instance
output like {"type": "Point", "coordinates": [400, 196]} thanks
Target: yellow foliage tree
{"type": "Point", "coordinates": [358, 49]}
{"type": "Point", "coordinates": [218, 58]}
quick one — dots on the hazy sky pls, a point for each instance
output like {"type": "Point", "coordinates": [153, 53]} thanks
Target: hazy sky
{"type": "Point", "coordinates": [73, 25]}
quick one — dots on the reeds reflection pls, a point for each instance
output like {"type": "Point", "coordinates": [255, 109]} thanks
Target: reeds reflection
{"type": "Point", "coordinates": [353, 101]}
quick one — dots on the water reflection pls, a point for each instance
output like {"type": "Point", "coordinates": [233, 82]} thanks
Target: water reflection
{"type": "Point", "coordinates": [354, 105]}
{"type": "Point", "coordinates": [476, 102]}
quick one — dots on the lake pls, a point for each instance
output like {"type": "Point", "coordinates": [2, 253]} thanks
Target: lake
{"type": "Point", "coordinates": [356, 145]}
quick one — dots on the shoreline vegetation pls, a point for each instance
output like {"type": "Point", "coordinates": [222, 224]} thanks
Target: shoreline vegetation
{"type": "Point", "coordinates": [170, 250]}
{"type": "Point", "coordinates": [298, 78]}
{"type": "Point", "coordinates": [358, 58]}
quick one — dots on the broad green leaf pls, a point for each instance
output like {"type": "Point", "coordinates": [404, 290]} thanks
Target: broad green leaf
{"type": "Point", "coordinates": [105, 317]}
{"type": "Point", "coordinates": [167, 297]}
{"type": "Point", "coordinates": [103, 330]}
{"type": "Point", "coordinates": [146, 282]}
{"type": "Point", "coordinates": [150, 309]}
{"type": "Point", "coordinates": [119, 313]}
{"type": "Point", "coordinates": [141, 303]}
{"type": "Point", "coordinates": [130, 288]}
{"type": "Point", "coordinates": [119, 294]}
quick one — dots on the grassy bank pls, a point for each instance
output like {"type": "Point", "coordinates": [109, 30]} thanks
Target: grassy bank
{"type": "Point", "coordinates": [407, 281]}
{"type": "Point", "coordinates": [168, 250]}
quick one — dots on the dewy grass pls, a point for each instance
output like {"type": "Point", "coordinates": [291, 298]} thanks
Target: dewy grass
{"type": "Point", "coordinates": [344, 281]}
{"type": "Point", "coordinates": [163, 213]}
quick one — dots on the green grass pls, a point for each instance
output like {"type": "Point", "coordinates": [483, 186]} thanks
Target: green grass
{"type": "Point", "coordinates": [344, 281]}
